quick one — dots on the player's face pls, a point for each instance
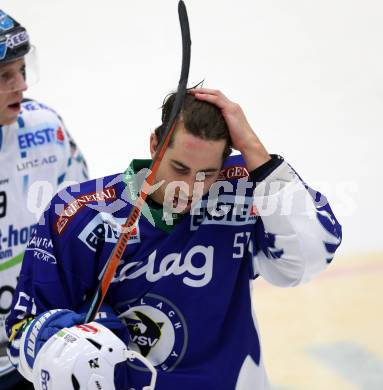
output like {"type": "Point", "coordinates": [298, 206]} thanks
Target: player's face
{"type": "Point", "coordinates": [12, 86]}
{"type": "Point", "coordinates": [183, 160]}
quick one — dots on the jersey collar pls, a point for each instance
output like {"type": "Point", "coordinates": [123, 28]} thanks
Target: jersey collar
{"type": "Point", "coordinates": [157, 213]}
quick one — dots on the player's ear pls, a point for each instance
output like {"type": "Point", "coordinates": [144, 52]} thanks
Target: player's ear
{"type": "Point", "coordinates": [153, 144]}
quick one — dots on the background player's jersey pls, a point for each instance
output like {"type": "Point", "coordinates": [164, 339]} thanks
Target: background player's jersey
{"type": "Point", "coordinates": [36, 156]}
{"type": "Point", "coordinates": [183, 287]}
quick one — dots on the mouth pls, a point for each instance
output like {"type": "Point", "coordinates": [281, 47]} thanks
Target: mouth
{"type": "Point", "coordinates": [15, 106]}
{"type": "Point", "coordinates": [186, 203]}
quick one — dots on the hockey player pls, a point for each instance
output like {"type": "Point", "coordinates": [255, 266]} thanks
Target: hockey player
{"type": "Point", "coordinates": [36, 156]}
{"type": "Point", "coordinates": [181, 296]}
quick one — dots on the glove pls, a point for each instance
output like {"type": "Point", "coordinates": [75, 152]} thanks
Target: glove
{"type": "Point", "coordinates": [106, 317]}
{"type": "Point", "coordinates": [44, 326]}
{"type": "Point", "coordinates": [39, 331]}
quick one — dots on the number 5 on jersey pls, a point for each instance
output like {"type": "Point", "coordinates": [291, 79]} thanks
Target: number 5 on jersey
{"type": "Point", "coordinates": [240, 241]}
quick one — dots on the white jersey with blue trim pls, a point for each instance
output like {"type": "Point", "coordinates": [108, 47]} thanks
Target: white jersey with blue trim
{"type": "Point", "coordinates": [37, 155]}
{"type": "Point", "coordinates": [183, 286]}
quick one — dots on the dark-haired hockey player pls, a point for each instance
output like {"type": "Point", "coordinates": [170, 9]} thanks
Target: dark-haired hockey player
{"type": "Point", "coordinates": [181, 296]}
{"type": "Point", "coordinates": [36, 156]}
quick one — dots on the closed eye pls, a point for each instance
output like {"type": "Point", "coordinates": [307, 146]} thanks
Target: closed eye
{"type": "Point", "coordinates": [181, 171]}
{"type": "Point", "coordinates": [208, 173]}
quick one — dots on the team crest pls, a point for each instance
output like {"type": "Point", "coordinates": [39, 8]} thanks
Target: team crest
{"type": "Point", "coordinates": [157, 331]}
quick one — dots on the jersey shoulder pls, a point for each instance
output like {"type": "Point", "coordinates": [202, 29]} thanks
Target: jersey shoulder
{"type": "Point", "coordinates": [39, 125]}
{"type": "Point", "coordinates": [77, 204]}
{"type": "Point", "coordinates": [40, 130]}
{"type": "Point", "coordinates": [234, 168]}
{"type": "Point", "coordinates": [35, 109]}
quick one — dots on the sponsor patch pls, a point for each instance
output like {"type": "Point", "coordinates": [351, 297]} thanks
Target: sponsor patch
{"type": "Point", "coordinates": [195, 267]}
{"type": "Point", "coordinates": [72, 208]}
{"type": "Point", "coordinates": [104, 228]}
{"type": "Point", "coordinates": [41, 248]}
{"type": "Point", "coordinates": [11, 42]}
{"type": "Point", "coordinates": [229, 210]}
{"type": "Point", "coordinates": [233, 173]}
{"type": "Point", "coordinates": [36, 163]}
{"type": "Point", "coordinates": [17, 39]}
{"type": "Point", "coordinates": [60, 136]}
{"type": "Point", "coordinates": [40, 137]}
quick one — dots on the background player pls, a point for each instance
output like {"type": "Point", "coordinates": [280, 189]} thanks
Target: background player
{"type": "Point", "coordinates": [37, 154]}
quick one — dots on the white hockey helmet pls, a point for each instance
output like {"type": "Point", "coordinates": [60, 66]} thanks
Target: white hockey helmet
{"type": "Point", "coordinates": [83, 357]}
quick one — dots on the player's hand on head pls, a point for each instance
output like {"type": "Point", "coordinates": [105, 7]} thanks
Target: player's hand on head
{"type": "Point", "coordinates": [240, 130]}
{"type": "Point", "coordinates": [242, 135]}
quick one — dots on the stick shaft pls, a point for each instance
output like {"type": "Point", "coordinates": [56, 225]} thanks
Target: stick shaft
{"type": "Point", "coordinates": [135, 213]}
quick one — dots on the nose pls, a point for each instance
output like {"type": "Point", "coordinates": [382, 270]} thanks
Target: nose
{"type": "Point", "coordinates": [20, 83]}
{"type": "Point", "coordinates": [189, 180]}
{"type": "Point", "coordinates": [17, 83]}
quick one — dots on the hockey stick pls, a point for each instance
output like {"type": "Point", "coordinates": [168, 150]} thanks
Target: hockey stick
{"type": "Point", "coordinates": [135, 213]}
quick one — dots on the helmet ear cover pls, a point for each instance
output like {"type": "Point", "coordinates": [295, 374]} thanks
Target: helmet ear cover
{"type": "Point", "coordinates": [83, 357]}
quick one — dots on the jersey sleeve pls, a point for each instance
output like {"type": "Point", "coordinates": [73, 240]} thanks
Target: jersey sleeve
{"type": "Point", "coordinates": [296, 233]}
{"type": "Point", "coordinates": [54, 275]}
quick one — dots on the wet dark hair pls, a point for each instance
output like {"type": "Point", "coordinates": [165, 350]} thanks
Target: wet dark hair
{"type": "Point", "coordinates": [201, 119]}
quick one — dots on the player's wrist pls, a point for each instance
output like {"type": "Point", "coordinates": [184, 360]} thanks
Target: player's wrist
{"type": "Point", "coordinates": [254, 154]}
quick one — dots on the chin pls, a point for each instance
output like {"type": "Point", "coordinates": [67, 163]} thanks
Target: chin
{"type": "Point", "coordinates": [185, 211]}
{"type": "Point", "coordinates": [9, 119]}
{"type": "Point", "coordinates": [171, 207]}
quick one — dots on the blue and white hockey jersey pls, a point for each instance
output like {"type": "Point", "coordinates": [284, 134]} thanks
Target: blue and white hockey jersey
{"type": "Point", "coordinates": [37, 156]}
{"type": "Point", "coordinates": [183, 287]}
